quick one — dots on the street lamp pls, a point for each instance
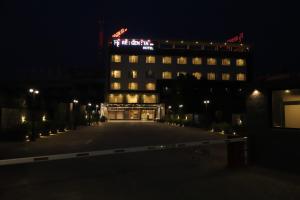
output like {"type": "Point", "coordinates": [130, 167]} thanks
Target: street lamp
{"type": "Point", "coordinates": [206, 102]}
{"type": "Point", "coordinates": [75, 102]}
{"type": "Point", "coordinates": [89, 113]}
{"type": "Point", "coordinates": [33, 92]}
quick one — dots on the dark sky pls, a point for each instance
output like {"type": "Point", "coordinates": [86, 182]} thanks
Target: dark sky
{"type": "Point", "coordinates": [59, 32]}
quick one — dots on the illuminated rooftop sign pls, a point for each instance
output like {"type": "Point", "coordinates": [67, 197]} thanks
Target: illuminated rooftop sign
{"type": "Point", "coordinates": [119, 33]}
{"type": "Point", "coordinates": [144, 44]}
{"type": "Point", "coordinates": [238, 38]}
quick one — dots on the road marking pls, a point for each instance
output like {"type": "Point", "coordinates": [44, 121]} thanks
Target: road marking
{"type": "Point", "coordinates": [25, 160]}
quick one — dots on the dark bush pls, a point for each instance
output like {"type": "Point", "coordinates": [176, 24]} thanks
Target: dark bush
{"type": "Point", "coordinates": [17, 133]}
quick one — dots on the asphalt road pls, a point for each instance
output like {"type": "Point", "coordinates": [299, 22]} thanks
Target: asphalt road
{"type": "Point", "coordinates": [171, 174]}
{"type": "Point", "coordinates": [105, 136]}
{"type": "Point", "coordinates": [192, 173]}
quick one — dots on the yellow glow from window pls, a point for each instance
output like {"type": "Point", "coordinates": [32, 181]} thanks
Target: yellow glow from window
{"type": "Point", "coordinates": [211, 61]}
{"type": "Point", "coordinates": [226, 61]}
{"type": "Point", "coordinates": [115, 86]}
{"type": "Point", "coordinates": [132, 86]}
{"type": "Point", "coordinates": [116, 58]}
{"type": "Point", "coordinates": [150, 59]}
{"type": "Point", "coordinates": [149, 98]}
{"type": "Point", "coordinates": [241, 77]}
{"type": "Point", "coordinates": [116, 73]}
{"type": "Point", "coordinates": [225, 76]}
{"type": "Point", "coordinates": [181, 60]}
{"type": "Point", "coordinates": [197, 75]}
{"type": "Point", "coordinates": [115, 98]}
{"type": "Point", "coordinates": [211, 76]}
{"type": "Point", "coordinates": [197, 61]}
{"type": "Point", "coordinates": [132, 98]}
{"type": "Point", "coordinates": [240, 62]}
{"type": "Point", "coordinates": [133, 74]}
{"type": "Point", "coordinates": [181, 73]}
{"type": "Point", "coordinates": [133, 59]}
{"type": "Point", "coordinates": [167, 75]}
{"type": "Point", "coordinates": [167, 60]}
{"type": "Point", "coordinates": [150, 86]}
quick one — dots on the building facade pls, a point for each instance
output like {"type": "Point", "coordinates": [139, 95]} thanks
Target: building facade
{"type": "Point", "coordinates": [135, 66]}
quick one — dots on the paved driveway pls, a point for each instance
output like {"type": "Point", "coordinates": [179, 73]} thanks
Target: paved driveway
{"type": "Point", "coordinates": [106, 136]}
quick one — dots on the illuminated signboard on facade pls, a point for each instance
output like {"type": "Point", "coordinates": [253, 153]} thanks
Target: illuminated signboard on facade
{"type": "Point", "coordinates": [144, 44]}
{"type": "Point", "coordinates": [119, 33]}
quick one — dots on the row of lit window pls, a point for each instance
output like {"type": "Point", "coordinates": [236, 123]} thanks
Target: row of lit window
{"type": "Point", "coordinates": [131, 86]}
{"type": "Point", "coordinates": [181, 60]}
{"type": "Point", "coordinates": [132, 98]}
{"type": "Point", "coordinates": [169, 75]}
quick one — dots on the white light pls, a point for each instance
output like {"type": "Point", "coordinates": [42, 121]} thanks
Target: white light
{"type": "Point", "coordinates": [287, 91]}
{"type": "Point", "coordinates": [31, 90]}
{"type": "Point", "coordinates": [255, 92]}
{"type": "Point", "coordinates": [44, 118]}
{"type": "Point", "coordinates": [206, 101]}
{"type": "Point", "coordinates": [23, 118]}
{"type": "Point", "coordinates": [36, 91]}
{"type": "Point", "coordinates": [89, 104]}
{"type": "Point", "coordinates": [97, 106]}
{"type": "Point", "coordinates": [75, 101]}
{"type": "Point", "coordinates": [180, 106]}
{"type": "Point", "coordinates": [170, 107]}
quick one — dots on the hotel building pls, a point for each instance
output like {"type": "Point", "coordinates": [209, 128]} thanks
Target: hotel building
{"type": "Point", "coordinates": [135, 66]}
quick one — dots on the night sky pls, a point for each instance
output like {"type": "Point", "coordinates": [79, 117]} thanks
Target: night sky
{"type": "Point", "coordinates": [56, 32]}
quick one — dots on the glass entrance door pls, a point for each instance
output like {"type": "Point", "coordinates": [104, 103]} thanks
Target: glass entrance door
{"type": "Point", "coordinates": [148, 114]}
{"type": "Point", "coordinates": [134, 114]}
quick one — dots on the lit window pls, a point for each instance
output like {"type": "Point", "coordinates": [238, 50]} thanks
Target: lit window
{"type": "Point", "coordinates": [211, 76]}
{"type": "Point", "coordinates": [181, 60]}
{"type": "Point", "coordinates": [211, 61]}
{"type": "Point", "coordinates": [226, 61]}
{"type": "Point", "coordinates": [197, 75]}
{"type": "Point", "coordinates": [167, 75]}
{"type": "Point", "coordinates": [150, 59]}
{"type": "Point", "coordinates": [225, 76]}
{"type": "Point", "coordinates": [240, 77]}
{"type": "Point", "coordinates": [116, 73]}
{"type": "Point", "coordinates": [133, 74]}
{"type": "Point", "coordinates": [197, 61]}
{"type": "Point", "coordinates": [240, 62]}
{"type": "Point", "coordinates": [132, 98]}
{"type": "Point", "coordinates": [132, 86]}
{"type": "Point", "coordinates": [167, 60]}
{"type": "Point", "coordinates": [115, 86]}
{"type": "Point", "coordinates": [150, 86]}
{"type": "Point", "coordinates": [133, 59]}
{"type": "Point", "coordinates": [116, 58]}
{"type": "Point", "coordinates": [285, 108]}
{"type": "Point", "coordinates": [181, 73]}
{"type": "Point", "coordinates": [149, 98]}
{"type": "Point", "coordinates": [115, 98]}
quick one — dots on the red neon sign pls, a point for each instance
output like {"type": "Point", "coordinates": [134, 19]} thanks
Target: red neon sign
{"type": "Point", "coordinates": [237, 38]}
{"type": "Point", "coordinates": [119, 33]}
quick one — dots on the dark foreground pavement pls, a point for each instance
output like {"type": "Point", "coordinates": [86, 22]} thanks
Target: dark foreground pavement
{"type": "Point", "coordinates": [105, 136]}
{"type": "Point", "coordinates": [173, 174]}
